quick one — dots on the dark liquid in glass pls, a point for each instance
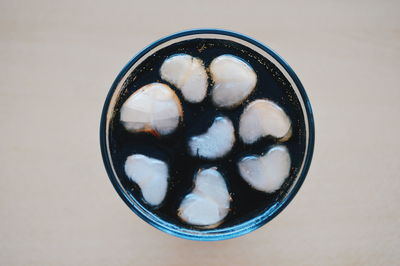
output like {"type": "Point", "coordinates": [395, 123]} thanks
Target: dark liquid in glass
{"type": "Point", "coordinates": [246, 202]}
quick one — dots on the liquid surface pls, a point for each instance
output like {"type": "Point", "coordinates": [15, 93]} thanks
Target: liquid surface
{"type": "Point", "coordinates": [198, 117]}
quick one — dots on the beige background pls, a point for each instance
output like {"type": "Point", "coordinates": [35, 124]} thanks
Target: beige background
{"type": "Point", "coordinates": [57, 62]}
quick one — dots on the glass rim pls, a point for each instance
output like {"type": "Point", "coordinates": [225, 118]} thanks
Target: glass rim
{"type": "Point", "coordinates": [209, 234]}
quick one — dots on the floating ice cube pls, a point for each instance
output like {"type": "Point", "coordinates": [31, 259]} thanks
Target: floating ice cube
{"type": "Point", "coordinates": [150, 174]}
{"type": "Point", "coordinates": [188, 74]}
{"type": "Point", "coordinates": [208, 203]}
{"type": "Point", "coordinates": [268, 172]}
{"type": "Point", "coordinates": [152, 108]}
{"type": "Point", "coordinates": [262, 118]}
{"type": "Point", "coordinates": [216, 142]}
{"type": "Point", "coordinates": [234, 80]}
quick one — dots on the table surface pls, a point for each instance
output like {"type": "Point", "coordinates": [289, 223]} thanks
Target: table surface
{"type": "Point", "coordinates": [57, 62]}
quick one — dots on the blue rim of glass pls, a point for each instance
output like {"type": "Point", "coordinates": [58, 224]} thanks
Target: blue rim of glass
{"type": "Point", "coordinates": [213, 234]}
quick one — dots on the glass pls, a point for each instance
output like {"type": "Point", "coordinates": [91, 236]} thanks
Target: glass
{"type": "Point", "coordinates": [217, 233]}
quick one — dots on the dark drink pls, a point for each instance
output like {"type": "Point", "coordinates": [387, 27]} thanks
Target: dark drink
{"type": "Point", "coordinates": [246, 202]}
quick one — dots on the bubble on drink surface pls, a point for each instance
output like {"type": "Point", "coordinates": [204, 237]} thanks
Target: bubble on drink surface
{"type": "Point", "coordinates": [268, 172]}
{"type": "Point", "coordinates": [216, 141]}
{"type": "Point", "coordinates": [209, 201]}
{"type": "Point", "coordinates": [153, 108]}
{"type": "Point", "coordinates": [188, 74]}
{"type": "Point", "coordinates": [264, 118]}
{"type": "Point", "coordinates": [234, 80]}
{"type": "Point", "coordinates": [150, 174]}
